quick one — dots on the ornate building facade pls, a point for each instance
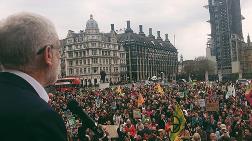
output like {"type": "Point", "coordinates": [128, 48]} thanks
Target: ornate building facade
{"type": "Point", "coordinates": [148, 56]}
{"type": "Point", "coordinates": [87, 53]}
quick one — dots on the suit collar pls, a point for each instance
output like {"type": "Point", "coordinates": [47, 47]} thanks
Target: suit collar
{"type": "Point", "coordinates": [21, 79]}
{"type": "Point", "coordinates": [15, 80]}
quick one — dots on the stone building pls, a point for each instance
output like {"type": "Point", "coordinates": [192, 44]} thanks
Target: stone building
{"type": "Point", "coordinates": [87, 53]}
{"type": "Point", "coordinates": [246, 59]}
{"type": "Point", "coordinates": [148, 56]}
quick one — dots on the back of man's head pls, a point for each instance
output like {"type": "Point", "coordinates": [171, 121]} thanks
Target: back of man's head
{"type": "Point", "coordinates": [21, 36]}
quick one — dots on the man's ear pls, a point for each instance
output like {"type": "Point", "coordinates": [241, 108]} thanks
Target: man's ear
{"type": "Point", "coordinates": [48, 56]}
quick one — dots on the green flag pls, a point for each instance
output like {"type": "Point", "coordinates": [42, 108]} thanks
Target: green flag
{"type": "Point", "coordinates": [178, 123]}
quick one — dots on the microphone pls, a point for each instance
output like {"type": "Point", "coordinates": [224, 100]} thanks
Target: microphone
{"type": "Point", "coordinates": [87, 121]}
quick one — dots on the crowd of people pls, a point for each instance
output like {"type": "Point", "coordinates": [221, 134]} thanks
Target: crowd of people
{"type": "Point", "coordinates": [143, 113]}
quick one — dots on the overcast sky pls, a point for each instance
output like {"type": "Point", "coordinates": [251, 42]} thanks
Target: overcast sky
{"type": "Point", "coordinates": [186, 19]}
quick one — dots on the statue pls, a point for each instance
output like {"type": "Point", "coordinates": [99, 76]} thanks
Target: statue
{"type": "Point", "coordinates": [103, 76]}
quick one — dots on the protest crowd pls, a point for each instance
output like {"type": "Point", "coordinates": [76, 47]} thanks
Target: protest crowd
{"type": "Point", "coordinates": [197, 111]}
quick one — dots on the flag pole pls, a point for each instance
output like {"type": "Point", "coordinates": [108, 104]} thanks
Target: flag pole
{"type": "Point", "coordinates": [174, 43]}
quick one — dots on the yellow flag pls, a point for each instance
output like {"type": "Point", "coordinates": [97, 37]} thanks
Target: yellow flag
{"type": "Point", "coordinates": [159, 89]}
{"type": "Point", "coordinates": [178, 123]}
{"type": "Point", "coordinates": [118, 90]}
{"type": "Point", "coordinates": [140, 100]}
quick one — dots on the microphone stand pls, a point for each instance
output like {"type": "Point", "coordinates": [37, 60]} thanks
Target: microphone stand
{"type": "Point", "coordinates": [83, 136]}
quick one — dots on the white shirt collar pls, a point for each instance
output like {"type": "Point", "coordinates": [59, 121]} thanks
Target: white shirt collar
{"type": "Point", "coordinates": [34, 83]}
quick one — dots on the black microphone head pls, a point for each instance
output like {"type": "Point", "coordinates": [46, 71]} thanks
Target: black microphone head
{"type": "Point", "coordinates": [73, 106]}
{"type": "Point", "coordinates": [87, 121]}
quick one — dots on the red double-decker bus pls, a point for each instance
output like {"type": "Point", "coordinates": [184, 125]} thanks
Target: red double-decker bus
{"type": "Point", "coordinates": [68, 84]}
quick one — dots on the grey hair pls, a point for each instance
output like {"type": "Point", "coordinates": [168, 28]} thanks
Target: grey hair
{"type": "Point", "coordinates": [21, 36]}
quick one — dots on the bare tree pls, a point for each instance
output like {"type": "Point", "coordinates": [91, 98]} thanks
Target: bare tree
{"type": "Point", "coordinates": [198, 68]}
{"type": "Point", "coordinates": [203, 65]}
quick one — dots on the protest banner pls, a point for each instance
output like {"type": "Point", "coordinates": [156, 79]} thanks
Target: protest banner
{"type": "Point", "coordinates": [202, 102]}
{"type": "Point", "coordinates": [112, 130]}
{"type": "Point", "coordinates": [212, 105]}
{"type": "Point", "coordinates": [103, 86]}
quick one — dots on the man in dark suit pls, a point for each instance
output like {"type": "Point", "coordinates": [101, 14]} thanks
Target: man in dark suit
{"type": "Point", "coordinates": [30, 58]}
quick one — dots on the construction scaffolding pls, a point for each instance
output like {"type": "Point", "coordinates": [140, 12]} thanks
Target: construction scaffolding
{"type": "Point", "coordinates": [225, 20]}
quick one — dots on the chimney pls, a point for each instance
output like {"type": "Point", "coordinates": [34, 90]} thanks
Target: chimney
{"type": "Point", "coordinates": [158, 36]}
{"type": "Point", "coordinates": [150, 34]}
{"type": "Point", "coordinates": [150, 31]}
{"type": "Point", "coordinates": [167, 38]}
{"type": "Point", "coordinates": [112, 27]}
{"type": "Point", "coordinates": [141, 30]}
{"type": "Point", "coordinates": [128, 29]}
{"type": "Point", "coordinates": [128, 24]}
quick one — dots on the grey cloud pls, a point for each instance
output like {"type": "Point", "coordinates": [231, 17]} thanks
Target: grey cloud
{"type": "Point", "coordinates": [185, 18]}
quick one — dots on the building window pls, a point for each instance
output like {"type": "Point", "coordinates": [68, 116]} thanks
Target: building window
{"type": "Point", "coordinates": [115, 46]}
{"type": "Point", "coordinates": [80, 62]}
{"type": "Point", "coordinates": [71, 71]}
{"type": "Point", "coordinates": [88, 70]}
{"type": "Point", "coordinates": [84, 61]}
{"type": "Point", "coordinates": [87, 53]}
{"type": "Point", "coordinates": [85, 70]}
{"type": "Point", "coordinates": [115, 61]}
{"type": "Point", "coordinates": [71, 40]}
{"type": "Point", "coordinates": [115, 69]}
{"type": "Point", "coordinates": [70, 63]}
{"type": "Point", "coordinates": [93, 44]}
{"type": "Point", "coordinates": [77, 62]}
{"type": "Point", "coordinates": [104, 53]}
{"type": "Point", "coordinates": [70, 47]}
{"type": "Point", "coordinates": [88, 61]}
{"type": "Point", "coordinates": [77, 71]}
{"type": "Point", "coordinates": [81, 71]}
{"type": "Point", "coordinates": [70, 54]}
{"type": "Point", "coordinates": [84, 53]}
{"type": "Point", "coordinates": [94, 52]}
{"type": "Point", "coordinates": [94, 60]}
{"type": "Point", "coordinates": [76, 54]}
{"type": "Point", "coordinates": [94, 69]}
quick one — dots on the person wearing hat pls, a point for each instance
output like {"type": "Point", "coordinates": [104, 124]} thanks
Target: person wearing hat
{"type": "Point", "coordinates": [223, 133]}
{"type": "Point", "coordinates": [161, 135]}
